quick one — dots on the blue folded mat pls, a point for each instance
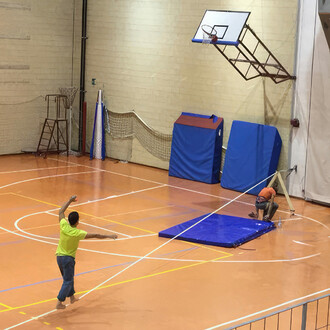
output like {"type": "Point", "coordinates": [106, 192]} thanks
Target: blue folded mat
{"type": "Point", "coordinates": [219, 230]}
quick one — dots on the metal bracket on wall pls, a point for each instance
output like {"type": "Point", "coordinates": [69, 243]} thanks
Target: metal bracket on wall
{"type": "Point", "coordinates": [251, 58]}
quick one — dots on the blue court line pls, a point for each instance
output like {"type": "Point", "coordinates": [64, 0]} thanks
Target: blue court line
{"type": "Point", "coordinates": [13, 242]}
{"type": "Point", "coordinates": [87, 272]}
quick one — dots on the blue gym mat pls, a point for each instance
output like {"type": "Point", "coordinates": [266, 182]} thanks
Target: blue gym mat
{"type": "Point", "coordinates": [253, 152]}
{"type": "Point", "coordinates": [219, 230]}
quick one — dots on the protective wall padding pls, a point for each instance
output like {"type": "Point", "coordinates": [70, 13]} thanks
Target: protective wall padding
{"type": "Point", "coordinates": [252, 155]}
{"type": "Point", "coordinates": [219, 230]}
{"type": "Point", "coordinates": [196, 148]}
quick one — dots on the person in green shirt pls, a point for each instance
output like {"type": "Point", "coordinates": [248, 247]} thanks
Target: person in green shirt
{"type": "Point", "coordinates": [70, 236]}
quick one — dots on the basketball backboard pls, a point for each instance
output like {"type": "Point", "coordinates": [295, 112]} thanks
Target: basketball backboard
{"type": "Point", "coordinates": [226, 25]}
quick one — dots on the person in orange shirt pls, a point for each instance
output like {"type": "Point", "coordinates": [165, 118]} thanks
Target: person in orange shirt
{"type": "Point", "coordinates": [263, 201]}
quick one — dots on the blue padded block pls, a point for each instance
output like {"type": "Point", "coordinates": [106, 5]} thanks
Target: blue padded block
{"type": "Point", "coordinates": [219, 230]}
{"type": "Point", "coordinates": [196, 148]}
{"type": "Point", "coordinates": [252, 155]}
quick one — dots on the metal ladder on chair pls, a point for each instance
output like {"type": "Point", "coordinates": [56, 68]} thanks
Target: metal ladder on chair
{"type": "Point", "coordinates": [54, 129]}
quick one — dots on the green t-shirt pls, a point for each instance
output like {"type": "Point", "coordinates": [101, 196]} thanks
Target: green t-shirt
{"type": "Point", "coordinates": [69, 239]}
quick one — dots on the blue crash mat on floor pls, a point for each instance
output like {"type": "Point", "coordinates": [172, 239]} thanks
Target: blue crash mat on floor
{"type": "Point", "coordinates": [219, 230]}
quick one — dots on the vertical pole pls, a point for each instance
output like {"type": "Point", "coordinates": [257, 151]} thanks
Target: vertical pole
{"type": "Point", "coordinates": [58, 104]}
{"type": "Point", "coordinates": [84, 130]}
{"type": "Point", "coordinates": [304, 317]}
{"type": "Point", "coordinates": [82, 71]}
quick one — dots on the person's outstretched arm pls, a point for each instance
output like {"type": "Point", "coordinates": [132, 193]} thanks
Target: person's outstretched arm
{"type": "Point", "coordinates": [65, 206]}
{"type": "Point", "coordinates": [100, 236]}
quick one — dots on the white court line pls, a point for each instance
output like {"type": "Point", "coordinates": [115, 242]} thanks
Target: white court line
{"type": "Point", "coordinates": [84, 203]}
{"type": "Point", "coordinates": [37, 169]}
{"type": "Point", "coordinates": [170, 240]}
{"type": "Point", "coordinates": [45, 177]}
{"type": "Point", "coordinates": [302, 243]}
{"type": "Point", "coordinates": [107, 171]}
{"type": "Point", "coordinates": [281, 260]}
{"type": "Point", "coordinates": [131, 212]}
{"type": "Point", "coordinates": [112, 196]}
{"type": "Point", "coordinates": [160, 258]}
{"type": "Point", "coordinates": [84, 223]}
{"type": "Point", "coordinates": [311, 219]}
{"type": "Point", "coordinates": [146, 255]}
{"type": "Point", "coordinates": [131, 237]}
{"type": "Point", "coordinates": [143, 256]}
{"type": "Point", "coordinates": [138, 211]}
{"type": "Point", "coordinates": [271, 260]}
{"type": "Point", "coordinates": [286, 220]}
{"type": "Point", "coordinates": [181, 188]}
{"type": "Point", "coordinates": [140, 191]}
{"type": "Point", "coordinates": [267, 310]}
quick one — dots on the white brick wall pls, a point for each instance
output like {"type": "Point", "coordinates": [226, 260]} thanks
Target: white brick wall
{"type": "Point", "coordinates": [37, 35]}
{"type": "Point", "coordinates": [141, 54]}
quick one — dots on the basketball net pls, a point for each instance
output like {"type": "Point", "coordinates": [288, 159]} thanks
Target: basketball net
{"type": "Point", "coordinates": [206, 38]}
{"type": "Point", "coordinates": [70, 93]}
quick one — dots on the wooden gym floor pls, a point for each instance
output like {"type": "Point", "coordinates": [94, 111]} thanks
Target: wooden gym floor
{"type": "Point", "coordinates": [180, 285]}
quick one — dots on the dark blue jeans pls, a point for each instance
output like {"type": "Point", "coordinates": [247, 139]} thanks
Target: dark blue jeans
{"type": "Point", "coordinates": [265, 205]}
{"type": "Point", "coordinates": [66, 265]}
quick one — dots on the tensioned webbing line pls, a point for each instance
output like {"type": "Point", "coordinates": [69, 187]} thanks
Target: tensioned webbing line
{"type": "Point", "coordinates": [148, 254]}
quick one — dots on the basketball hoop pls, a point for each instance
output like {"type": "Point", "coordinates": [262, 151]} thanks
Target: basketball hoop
{"type": "Point", "coordinates": [70, 93]}
{"type": "Point", "coordinates": [209, 34]}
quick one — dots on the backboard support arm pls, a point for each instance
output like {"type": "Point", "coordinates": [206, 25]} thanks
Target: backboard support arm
{"type": "Point", "coordinates": [252, 58]}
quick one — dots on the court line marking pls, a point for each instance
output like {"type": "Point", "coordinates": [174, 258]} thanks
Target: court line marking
{"type": "Point", "coordinates": [87, 214]}
{"type": "Point", "coordinates": [184, 260]}
{"type": "Point", "coordinates": [86, 224]}
{"type": "Point", "coordinates": [170, 240]}
{"type": "Point", "coordinates": [298, 242]}
{"type": "Point", "coordinates": [45, 177]}
{"type": "Point", "coordinates": [137, 211]}
{"type": "Point", "coordinates": [224, 205]}
{"type": "Point", "coordinates": [37, 169]}
{"type": "Point", "coordinates": [181, 188]}
{"type": "Point", "coordinates": [4, 305]}
{"type": "Point", "coordinates": [149, 253]}
{"type": "Point", "coordinates": [108, 286]}
{"type": "Point", "coordinates": [95, 217]}
{"type": "Point", "coordinates": [131, 256]}
{"type": "Point", "coordinates": [80, 212]}
{"type": "Point", "coordinates": [267, 309]}
{"type": "Point", "coordinates": [172, 186]}
{"type": "Point", "coordinates": [111, 253]}
{"type": "Point", "coordinates": [119, 283]}
{"type": "Point", "coordinates": [85, 272]}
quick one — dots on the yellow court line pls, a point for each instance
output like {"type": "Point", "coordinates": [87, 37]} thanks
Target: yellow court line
{"type": "Point", "coordinates": [118, 283]}
{"type": "Point", "coordinates": [119, 223]}
{"type": "Point", "coordinates": [87, 214]}
{"type": "Point", "coordinates": [156, 274]}
{"type": "Point", "coordinates": [34, 199]}
{"type": "Point", "coordinates": [209, 248]}
{"type": "Point", "coordinates": [29, 305]}
{"type": "Point", "coordinates": [5, 305]}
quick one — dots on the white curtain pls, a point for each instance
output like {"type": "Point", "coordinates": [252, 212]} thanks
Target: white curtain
{"type": "Point", "coordinates": [317, 184]}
